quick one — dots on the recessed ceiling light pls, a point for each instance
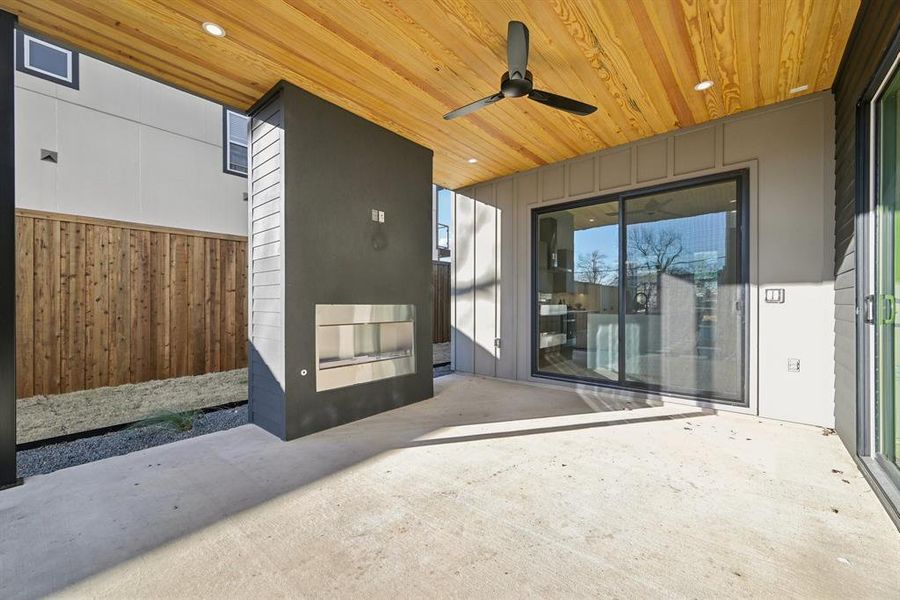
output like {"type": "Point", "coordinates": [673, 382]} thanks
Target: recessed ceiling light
{"type": "Point", "coordinates": [799, 88]}
{"type": "Point", "coordinates": [591, 219]}
{"type": "Point", "coordinates": [213, 29]}
{"type": "Point", "coordinates": [703, 85]}
{"type": "Point", "coordinates": [472, 161]}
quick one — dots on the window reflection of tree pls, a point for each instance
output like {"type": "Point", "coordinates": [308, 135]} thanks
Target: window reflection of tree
{"type": "Point", "coordinates": [593, 267]}
{"type": "Point", "coordinates": [652, 253]}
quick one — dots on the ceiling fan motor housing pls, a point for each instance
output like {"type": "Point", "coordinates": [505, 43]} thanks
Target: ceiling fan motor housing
{"type": "Point", "coordinates": [516, 87]}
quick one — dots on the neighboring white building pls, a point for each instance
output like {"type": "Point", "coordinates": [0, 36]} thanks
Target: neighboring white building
{"type": "Point", "coordinates": [127, 147]}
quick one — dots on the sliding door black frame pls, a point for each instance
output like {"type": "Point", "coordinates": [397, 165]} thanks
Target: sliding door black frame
{"type": "Point", "coordinates": [742, 179]}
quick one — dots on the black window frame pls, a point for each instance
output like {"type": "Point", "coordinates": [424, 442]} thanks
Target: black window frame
{"type": "Point", "coordinates": [226, 143]}
{"type": "Point", "coordinates": [742, 178]}
{"type": "Point", "coordinates": [23, 68]}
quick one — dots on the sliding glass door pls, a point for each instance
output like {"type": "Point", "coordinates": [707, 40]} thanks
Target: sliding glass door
{"type": "Point", "coordinates": [882, 304]}
{"type": "Point", "coordinates": [646, 290]}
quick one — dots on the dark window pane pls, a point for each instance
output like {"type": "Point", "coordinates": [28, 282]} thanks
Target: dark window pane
{"type": "Point", "coordinates": [237, 158]}
{"type": "Point", "coordinates": [47, 59]}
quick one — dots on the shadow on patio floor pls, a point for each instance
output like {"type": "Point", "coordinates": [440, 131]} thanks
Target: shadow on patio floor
{"type": "Point", "coordinates": [66, 526]}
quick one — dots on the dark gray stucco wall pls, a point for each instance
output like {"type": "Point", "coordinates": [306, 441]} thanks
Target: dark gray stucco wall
{"type": "Point", "coordinates": [337, 168]}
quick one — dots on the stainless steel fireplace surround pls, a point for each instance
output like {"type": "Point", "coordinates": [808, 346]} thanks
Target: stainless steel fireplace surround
{"type": "Point", "coordinates": [359, 343]}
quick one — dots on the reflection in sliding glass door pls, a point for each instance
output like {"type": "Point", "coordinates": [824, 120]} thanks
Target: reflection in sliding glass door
{"type": "Point", "coordinates": [577, 288]}
{"type": "Point", "coordinates": [645, 290]}
{"type": "Point", "coordinates": [684, 318]}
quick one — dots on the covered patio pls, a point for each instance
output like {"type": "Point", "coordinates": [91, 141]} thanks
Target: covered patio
{"type": "Point", "coordinates": [672, 306]}
{"type": "Point", "coordinates": [490, 489]}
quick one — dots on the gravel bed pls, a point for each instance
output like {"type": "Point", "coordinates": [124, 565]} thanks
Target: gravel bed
{"type": "Point", "coordinates": [46, 459]}
{"type": "Point", "coordinates": [440, 371]}
{"type": "Point", "coordinates": [47, 417]}
{"type": "Point", "coordinates": [52, 457]}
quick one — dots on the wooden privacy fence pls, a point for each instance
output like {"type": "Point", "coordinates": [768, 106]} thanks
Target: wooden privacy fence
{"type": "Point", "coordinates": [103, 302]}
{"type": "Point", "coordinates": [440, 274]}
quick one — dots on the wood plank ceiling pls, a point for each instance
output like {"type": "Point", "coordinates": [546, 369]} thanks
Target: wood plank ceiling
{"type": "Point", "coordinates": [404, 63]}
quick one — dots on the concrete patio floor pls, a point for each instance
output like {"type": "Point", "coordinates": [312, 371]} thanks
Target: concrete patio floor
{"type": "Point", "coordinates": [489, 490]}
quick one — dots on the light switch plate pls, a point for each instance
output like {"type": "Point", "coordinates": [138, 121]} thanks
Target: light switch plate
{"type": "Point", "coordinates": [775, 295]}
{"type": "Point", "coordinates": [381, 216]}
{"type": "Point", "coordinates": [375, 214]}
{"type": "Point", "coordinates": [793, 365]}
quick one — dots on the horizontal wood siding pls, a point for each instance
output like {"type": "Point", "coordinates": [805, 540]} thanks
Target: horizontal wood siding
{"type": "Point", "coordinates": [874, 31]}
{"type": "Point", "coordinates": [103, 303]}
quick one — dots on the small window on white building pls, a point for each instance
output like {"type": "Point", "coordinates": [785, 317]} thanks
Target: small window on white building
{"type": "Point", "coordinates": [46, 60]}
{"type": "Point", "coordinates": [235, 131]}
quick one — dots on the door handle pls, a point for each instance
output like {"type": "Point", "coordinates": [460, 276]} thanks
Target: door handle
{"type": "Point", "coordinates": [889, 307]}
{"type": "Point", "coordinates": [869, 309]}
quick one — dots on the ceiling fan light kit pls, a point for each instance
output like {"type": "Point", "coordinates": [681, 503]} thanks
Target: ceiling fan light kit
{"type": "Point", "coordinates": [518, 81]}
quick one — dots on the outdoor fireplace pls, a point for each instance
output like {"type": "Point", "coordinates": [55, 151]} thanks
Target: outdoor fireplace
{"type": "Point", "coordinates": [359, 343]}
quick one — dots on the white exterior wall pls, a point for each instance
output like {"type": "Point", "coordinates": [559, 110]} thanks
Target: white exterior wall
{"type": "Point", "coordinates": [788, 149]}
{"type": "Point", "coordinates": [130, 149]}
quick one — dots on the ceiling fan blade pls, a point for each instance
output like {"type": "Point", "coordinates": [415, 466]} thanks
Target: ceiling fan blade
{"type": "Point", "coordinates": [562, 103]}
{"type": "Point", "coordinates": [517, 49]}
{"type": "Point", "coordinates": [468, 108]}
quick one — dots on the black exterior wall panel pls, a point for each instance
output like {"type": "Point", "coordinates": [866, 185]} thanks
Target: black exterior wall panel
{"type": "Point", "coordinates": [337, 168]}
{"type": "Point", "coordinates": [7, 256]}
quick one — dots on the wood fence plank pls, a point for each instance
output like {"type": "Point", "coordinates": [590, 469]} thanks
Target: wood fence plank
{"type": "Point", "coordinates": [179, 267]}
{"type": "Point", "coordinates": [160, 288]}
{"type": "Point", "coordinates": [96, 371]}
{"type": "Point", "coordinates": [240, 318]}
{"type": "Point", "coordinates": [229, 310]}
{"type": "Point", "coordinates": [212, 305]}
{"type": "Point", "coordinates": [46, 306]}
{"type": "Point", "coordinates": [140, 298]}
{"type": "Point", "coordinates": [441, 290]}
{"type": "Point", "coordinates": [71, 301]}
{"type": "Point", "coordinates": [197, 291]}
{"type": "Point", "coordinates": [120, 306]}
{"type": "Point", "coordinates": [65, 302]}
{"type": "Point", "coordinates": [24, 307]}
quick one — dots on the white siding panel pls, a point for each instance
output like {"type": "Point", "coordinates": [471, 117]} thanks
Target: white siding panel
{"type": "Point", "coordinates": [94, 176]}
{"type": "Point", "coordinates": [463, 292]}
{"type": "Point", "coordinates": [485, 281]}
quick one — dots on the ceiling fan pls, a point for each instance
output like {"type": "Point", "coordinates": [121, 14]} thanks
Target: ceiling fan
{"type": "Point", "coordinates": [517, 82]}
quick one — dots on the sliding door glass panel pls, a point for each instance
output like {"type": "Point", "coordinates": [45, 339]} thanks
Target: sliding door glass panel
{"type": "Point", "coordinates": [887, 280]}
{"type": "Point", "coordinates": [577, 304]}
{"type": "Point", "coordinates": [683, 313]}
